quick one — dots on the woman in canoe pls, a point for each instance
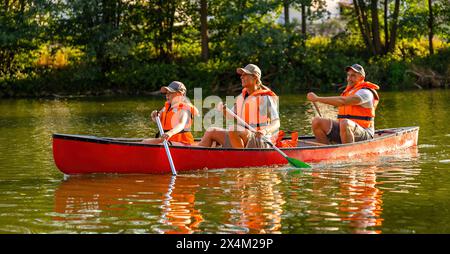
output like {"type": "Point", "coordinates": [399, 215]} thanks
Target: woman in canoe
{"type": "Point", "coordinates": [257, 106]}
{"type": "Point", "coordinates": [176, 116]}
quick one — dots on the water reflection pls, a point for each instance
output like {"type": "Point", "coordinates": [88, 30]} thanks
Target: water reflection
{"type": "Point", "coordinates": [350, 198]}
{"type": "Point", "coordinates": [331, 199]}
{"type": "Point", "coordinates": [130, 201]}
{"type": "Point", "coordinates": [247, 202]}
{"type": "Point", "coordinates": [258, 201]}
{"type": "Point", "coordinates": [179, 209]}
{"type": "Point", "coordinates": [355, 197]}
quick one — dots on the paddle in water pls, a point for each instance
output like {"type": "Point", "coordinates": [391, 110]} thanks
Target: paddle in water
{"type": "Point", "coordinates": [166, 146]}
{"type": "Point", "coordinates": [294, 162]}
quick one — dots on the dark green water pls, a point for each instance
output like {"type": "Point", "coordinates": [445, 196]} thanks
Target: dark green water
{"type": "Point", "coordinates": [407, 193]}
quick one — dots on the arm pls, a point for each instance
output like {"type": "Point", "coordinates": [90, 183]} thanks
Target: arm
{"type": "Point", "coordinates": [335, 100]}
{"type": "Point", "coordinates": [156, 113]}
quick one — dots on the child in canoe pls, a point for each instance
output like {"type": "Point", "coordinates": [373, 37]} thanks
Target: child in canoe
{"type": "Point", "coordinates": [176, 116]}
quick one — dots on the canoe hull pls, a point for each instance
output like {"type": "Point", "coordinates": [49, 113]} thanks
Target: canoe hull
{"type": "Point", "coordinates": [75, 154]}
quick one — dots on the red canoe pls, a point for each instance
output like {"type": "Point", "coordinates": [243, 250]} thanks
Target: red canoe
{"type": "Point", "coordinates": [77, 154]}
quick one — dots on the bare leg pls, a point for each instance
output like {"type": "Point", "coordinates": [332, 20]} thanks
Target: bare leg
{"type": "Point", "coordinates": [213, 134]}
{"type": "Point", "coordinates": [320, 127]}
{"type": "Point", "coordinates": [236, 139]}
{"type": "Point", "coordinates": [346, 128]}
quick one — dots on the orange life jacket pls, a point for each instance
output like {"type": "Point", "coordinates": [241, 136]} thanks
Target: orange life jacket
{"type": "Point", "coordinates": [287, 143]}
{"type": "Point", "coordinates": [247, 107]}
{"type": "Point", "coordinates": [363, 116]}
{"type": "Point", "coordinates": [168, 121]}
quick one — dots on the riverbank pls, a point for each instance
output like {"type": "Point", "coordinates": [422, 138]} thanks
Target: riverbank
{"type": "Point", "coordinates": [49, 87]}
{"type": "Point", "coordinates": [318, 66]}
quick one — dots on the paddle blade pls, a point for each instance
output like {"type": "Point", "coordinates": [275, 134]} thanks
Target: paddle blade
{"type": "Point", "coordinates": [297, 163]}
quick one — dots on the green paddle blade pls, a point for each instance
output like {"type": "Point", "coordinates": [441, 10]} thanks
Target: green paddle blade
{"type": "Point", "coordinates": [297, 163]}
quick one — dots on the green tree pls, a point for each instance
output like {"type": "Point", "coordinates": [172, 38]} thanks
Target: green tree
{"type": "Point", "coordinates": [442, 18]}
{"type": "Point", "coordinates": [19, 32]}
{"type": "Point", "coordinates": [204, 29]}
{"type": "Point", "coordinates": [310, 9]}
{"type": "Point", "coordinates": [367, 13]}
{"type": "Point", "coordinates": [92, 24]}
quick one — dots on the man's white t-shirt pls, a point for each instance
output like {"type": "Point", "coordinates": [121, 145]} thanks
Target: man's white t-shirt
{"type": "Point", "coordinates": [366, 98]}
{"type": "Point", "coordinates": [366, 102]}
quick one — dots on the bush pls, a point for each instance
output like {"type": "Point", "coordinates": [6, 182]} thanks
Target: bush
{"type": "Point", "coordinates": [289, 62]}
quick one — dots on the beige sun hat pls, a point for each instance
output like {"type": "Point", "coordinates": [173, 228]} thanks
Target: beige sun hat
{"type": "Point", "coordinates": [358, 68]}
{"type": "Point", "coordinates": [250, 69]}
{"type": "Point", "coordinates": [175, 86]}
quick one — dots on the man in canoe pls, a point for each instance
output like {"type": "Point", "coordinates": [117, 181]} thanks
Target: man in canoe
{"type": "Point", "coordinates": [176, 116]}
{"type": "Point", "coordinates": [257, 106]}
{"type": "Point", "coordinates": [356, 110]}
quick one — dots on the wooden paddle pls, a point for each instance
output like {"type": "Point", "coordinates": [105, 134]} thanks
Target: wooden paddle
{"type": "Point", "coordinates": [294, 162]}
{"type": "Point", "coordinates": [316, 108]}
{"type": "Point", "coordinates": [166, 146]}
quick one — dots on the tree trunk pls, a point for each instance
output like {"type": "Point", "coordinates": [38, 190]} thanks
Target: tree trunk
{"type": "Point", "coordinates": [430, 25]}
{"type": "Point", "coordinates": [360, 11]}
{"type": "Point", "coordinates": [171, 22]}
{"type": "Point", "coordinates": [118, 13]}
{"type": "Point", "coordinates": [303, 19]}
{"type": "Point", "coordinates": [22, 6]}
{"type": "Point", "coordinates": [286, 12]}
{"type": "Point", "coordinates": [6, 5]}
{"type": "Point", "coordinates": [164, 36]}
{"type": "Point", "coordinates": [204, 29]}
{"type": "Point", "coordinates": [159, 48]}
{"type": "Point", "coordinates": [386, 27]}
{"type": "Point", "coordinates": [376, 27]}
{"type": "Point", "coordinates": [242, 4]}
{"type": "Point", "coordinates": [394, 26]}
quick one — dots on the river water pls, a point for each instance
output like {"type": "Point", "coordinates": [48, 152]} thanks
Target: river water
{"type": "Point", "coordinates": [404, 193]}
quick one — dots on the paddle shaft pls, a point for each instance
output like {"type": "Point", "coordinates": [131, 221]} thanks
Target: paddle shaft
{"type": "Point", "coordinates": [166, 146]}
{"type": "Point", "coordinates": [317, 108]}
{"type": "Point", "coordinates": [253, 130]}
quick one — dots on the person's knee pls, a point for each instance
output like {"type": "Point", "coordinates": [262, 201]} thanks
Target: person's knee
{"type": "Point", "coordinates": [245, 135]}
{"type": "Point", "coordinates": [345, 124]}
{"type": "Point", "coordinates": [316, 122]}
{"type": "Point", "coordinates": [233, 134]}
{"type": "Point", "coordinates": [211, 130]}
{"type": "Point", "coordinates": [319, 123]}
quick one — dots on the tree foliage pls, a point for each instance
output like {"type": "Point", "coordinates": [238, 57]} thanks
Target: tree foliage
{"type": "Point", "coordinates": [83, 46]}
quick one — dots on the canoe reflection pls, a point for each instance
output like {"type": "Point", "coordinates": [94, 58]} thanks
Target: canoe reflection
{"type": "Point", "coordinates": [153, 197]}
{"type": "Point", "coordinates": [260, 202]}
{"type": "Point", "coordinates": [356, 196]}
{"type": "Point", "coordinates": [241, 201]}
{"type": "Point", "coordinates": [349, 197]}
